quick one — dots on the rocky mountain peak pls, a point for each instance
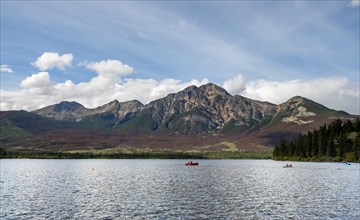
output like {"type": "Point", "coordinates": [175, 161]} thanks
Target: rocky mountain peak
{"type": "Point", "coordinates": [212, 90]}
{"type": "Point", "coordinates": [132, 103]}
{"type": "Point", "coordinates": [66, 106]}
{"type": "Point", "coordinates": [61, 111]}
{"type": "Point", "coordinates": [302, 102]}
{"type": "Point", "coordinates": [299, 110]}
{"type": "Point", "coordinates": [114, 102]}
{"type": "Point", "coordinates": [193, 110]}
{"type": "Point", "coordinates": [296, 100]}
{"type": "Point", "coordinates": [111, 106]}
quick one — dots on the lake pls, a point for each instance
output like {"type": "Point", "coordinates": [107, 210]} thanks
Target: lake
{"type": "Point", "coordinates": [167, 189]}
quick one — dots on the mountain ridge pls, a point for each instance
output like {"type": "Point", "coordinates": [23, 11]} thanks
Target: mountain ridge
{"type": "Point", "coordinates": [209, 98]}
{"type": "Point", "coordinates": [195, 117]}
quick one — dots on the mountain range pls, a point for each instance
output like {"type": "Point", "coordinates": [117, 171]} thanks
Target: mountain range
{"type": "Point", "coordinates": [196, 118]}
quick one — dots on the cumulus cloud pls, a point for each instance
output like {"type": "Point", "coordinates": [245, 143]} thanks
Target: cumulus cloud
{"type": "Point", "coordinates": [166, 86]}
{"type": "Point", "coordinates": [50, 60]}
{"type": "Point", "coordinates": [39, 80]}
{"type": "Point", "coordinates": [37, 85]}
{"type": "Point", "coordinates": [38, 90]}
{"type": "Point", "coordinates": [355, 3]}
{"type": "Point", "coordinates": [110, 68]}
{"type": "Point", "coordinates": [333, 92]}
{"type": "Point", "coordinates": [235, 85]}
{"type": "Point", "coordinates": [6, 69]}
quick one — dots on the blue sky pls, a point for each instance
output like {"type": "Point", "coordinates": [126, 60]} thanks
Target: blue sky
{"type": "Point", "coordinates": [96, 51]}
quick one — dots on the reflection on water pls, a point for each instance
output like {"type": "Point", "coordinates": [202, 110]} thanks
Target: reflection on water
{"type": "Point", "coordinates": [167, 189]}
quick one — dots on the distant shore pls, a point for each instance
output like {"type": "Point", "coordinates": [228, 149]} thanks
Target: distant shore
{"type": "Point", "coordinates": [139, 155]}
{"type": "Point", "coordinates": [159, 154]}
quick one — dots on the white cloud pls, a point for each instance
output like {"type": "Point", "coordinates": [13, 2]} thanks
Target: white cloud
{"type": "Point", "coordinates": [39, 91]}
{"type": "Point", "coordinates": [6, 69]}
{"type": "Point", "coordinates": [333, 92]}
{"type": "Point", "coordinates": [146, 90]}
{"type": "Point", "coordinates": [39, 80]}
{"type": "Point", "coordinates": [166, 86]}
{"type": "Point", "coordinates": [50, 60]}
{"type": "Point", "coordinates": [235, 85]}
{"type": "Point", "coordinates": [355, 3]}
{"type": "Point", "coordinates": [37, 85]}
{"type": "Point", "coordinates": [110, 68]}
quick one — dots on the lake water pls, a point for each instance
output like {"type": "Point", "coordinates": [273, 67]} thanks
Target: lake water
{"type": "Point", "coordinates": [167, 189]}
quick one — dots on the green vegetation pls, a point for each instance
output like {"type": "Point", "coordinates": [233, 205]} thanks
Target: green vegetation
{"type": "Point", "coordinates": [188, 126]}
{"type": "Point", "coordinates": [103, 121]}
{"type": "Point", "coordinates": [144, 123]}
{"type": "Point", "coordinates": [236, 155]}
{"type": "Point", "coordinates": [232, 128]}
{"type": "Point", "coordinates": [338, 141]}
{"type": "Point", "coordinates": [89, 155]}
{"type": "Point", "coordinates": [10, 131]}
{"type": "Point", "coordinates": [231, 146]}
{"type": "Point", "coordinates": [131, 153]}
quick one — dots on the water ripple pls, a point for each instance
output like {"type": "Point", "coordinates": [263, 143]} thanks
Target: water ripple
{"type": "Point", "coordinates": [166, 189]}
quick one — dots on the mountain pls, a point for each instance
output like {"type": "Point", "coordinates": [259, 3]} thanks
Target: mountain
{"type": "Point", "coordinates": [196, 117]}
{"type": "Point", "coordinates": [73, 111]}
{"type": "Point", "coordinates": [205, 109]}
{"type": "Point", "coordinates": [16, 125]}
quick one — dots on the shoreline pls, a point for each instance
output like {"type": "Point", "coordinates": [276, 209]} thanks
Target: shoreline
{"type": "Point", "coordinates": [138, 155]}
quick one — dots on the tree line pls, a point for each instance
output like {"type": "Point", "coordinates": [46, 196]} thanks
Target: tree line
{"type": "Point", "coordinates": [338, 141]}
{"type": "Point", "coordinates": [90, 155]}
{"type": "Point", "coordinates": [135, 155]}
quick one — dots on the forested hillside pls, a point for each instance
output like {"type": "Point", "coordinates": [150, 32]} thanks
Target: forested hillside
{"type": "Point", "coordinates": [338, 141]}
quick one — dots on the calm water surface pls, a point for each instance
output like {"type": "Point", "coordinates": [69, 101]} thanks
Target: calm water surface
{"type": "Point", "coordinates": [166, 189]}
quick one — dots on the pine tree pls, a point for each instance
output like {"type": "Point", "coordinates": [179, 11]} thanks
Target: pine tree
{"type": "Point", "coordinates": [291, 149]}
{"type": "Point", "coordinates": [340, 149]}
{"type": "Point", "coordinates": [308, 144]}
{"type": "Point", "coordinates": [330, 151]}
{"type": "Point", "coordinates": [357, 125]}
{"type": "Point", "coordinates": [348, 127]}
{"type": "Point", "coordinates": [344, 145]}
{"type": "Point", "coordinates": [322, 141]}
{"type": "Point", "coordinates": [283, 146]}
{"type": "Point", "coordinates": [356, 147]}
{"type": "Point", "coordinates": [276, 152]}
{"type": "Point", "coordinates": [299, 148]}
{"type": "Point", "coordinates": [331, 141]}
{"type": "Point", "coordinates": [314, 143]}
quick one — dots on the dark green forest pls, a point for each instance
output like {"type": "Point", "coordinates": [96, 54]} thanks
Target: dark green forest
{"type": "Point", "coordinates": [338, 141]}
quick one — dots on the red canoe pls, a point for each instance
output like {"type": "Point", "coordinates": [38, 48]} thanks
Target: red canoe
{"type": "Point", "coordinates": [191, 163]}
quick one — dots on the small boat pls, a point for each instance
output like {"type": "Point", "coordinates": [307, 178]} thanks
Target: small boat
{"type": "Point", "coordinates": [190, 163]}
{"type": "Point", "coordinates": [288, 166]}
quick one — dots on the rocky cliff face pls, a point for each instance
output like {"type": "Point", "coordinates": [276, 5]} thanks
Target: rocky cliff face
{"type": "Point", "coordinates": [205, 109]}
{"type": "Point", "coordinates": [74, 111]}
{"type": "Point", "coordinates": [121, 112]}
{"type": "Point", "coordinates": [62, 111]}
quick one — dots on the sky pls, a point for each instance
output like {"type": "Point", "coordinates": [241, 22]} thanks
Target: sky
{"type": "Point", "coordinates": [94, 52]}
